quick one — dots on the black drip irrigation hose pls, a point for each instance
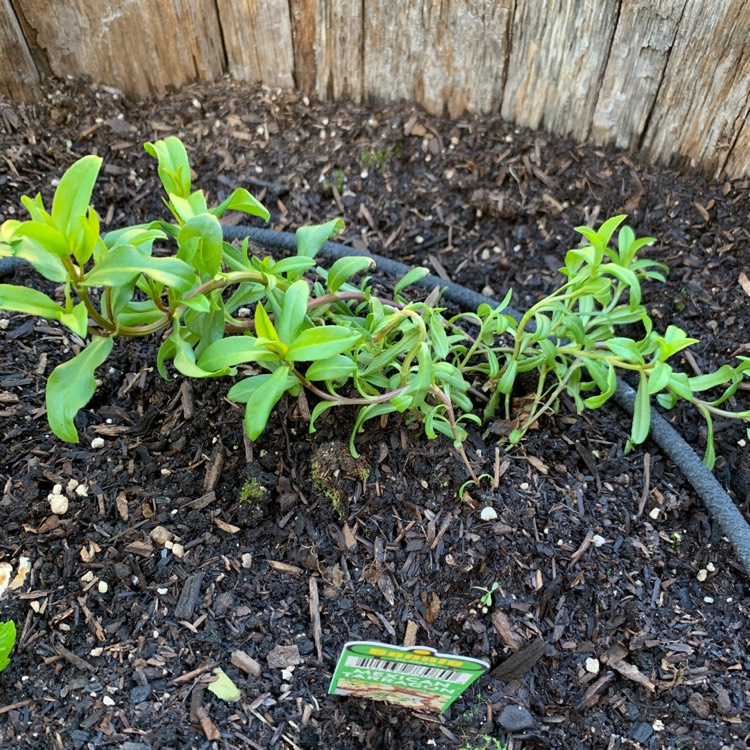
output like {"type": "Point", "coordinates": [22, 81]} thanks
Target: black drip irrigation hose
{"type": "Point", "coordinates": [719, 504]}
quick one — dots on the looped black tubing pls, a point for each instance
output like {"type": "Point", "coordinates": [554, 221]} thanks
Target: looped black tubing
{"type": "Point", "coordinates": [721, 507]}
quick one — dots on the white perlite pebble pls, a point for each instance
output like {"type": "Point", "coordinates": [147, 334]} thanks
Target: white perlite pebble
{"type": "Point", "coordinates": [592, 665]}
{"type": "Point", "coordinates": [598, 540]}
{"type": "Point", "coordinates": [654, 514]}
{"type": "Point", "coordinates": [97, 443]}
{"type": "Point", "coordinates": [488, 514]}
{"type": "Point", "coordinates": [701, 575]}
{"type": "Point", "coordinates": [103, 587]}
{"type": "Point", "coordinates": [58, 504]}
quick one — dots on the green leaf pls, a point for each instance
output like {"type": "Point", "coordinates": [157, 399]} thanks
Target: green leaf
{"type": "Point", "coordinates": [344, 268]}
{"type": "Point", "coordinates": [234, 350]}
{"type": "Point", "coordinates": [202, 237]}
{"type": "Point", "coordinates": [199, 303]}
{"type": "Point", "coordinates": [223, 688]}
{"type": "Point", "coordinates": [331, 368]}
{"type": "Point", "coordinates": [36, 209]}
{"type": "Point", "coordinates": [174, 165]}
{"type": "Point", "coordinates": [410, 278]}
{"type": "Point", "coordinates": [641, 413]}
{"type": "Point", "coordinates": [607, 388]}
{"type": "Point", "coordinates": [320, 407]}
{"type": "Point", "coordinates": [33, 302]}
{"type": "Point", "coordinates": [626, 349]}
{"type": "Point", "coordinates": [241, 200]}
{"type": "Point", "coordinates": [263, 325]}
{"type": "Point", "coordinates": [508, 378]}
{"type": "Point", "coordinates": [311, 239]}
{"type": "Point", "coordinates": [293, 311]}
{"type": "Point", "coordinates": [184, 358]}
{"type": "Point", "coordinates": [71, 385]}
{"type": "Point", "coordinates": [712, 379]}
{"type": "Point", "coordinates": [187, 208]}
{"type": "Point", "coordinates": [7, 641]}
{"type": "Point", "coordinates": [126, 262]}
{"type": "Point", "coordinates": [320, 343]}
{"type": "Point", "coordinates": [659, 377]}
{"type": "Point", "coordinates": [73, 194]}
{"type": "Point", "coordinates": [296, 266]}
{"type": "Point", "coordinates": [266, 395]}
{"type": "Point", "coordinates": [46, 237]}
{"type": "Point", "coordinates": [85, 239]}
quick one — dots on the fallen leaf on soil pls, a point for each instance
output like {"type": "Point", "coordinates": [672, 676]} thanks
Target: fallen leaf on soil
{"type": "Point", "coordinates": [431, 603]}
{"type": "Point", "coordinates": [349, 539]}
{"type": "Point", "coordinates": [538, 464]}
{"type": "Point", "coordinates": [122, 506]}
{"type": "Point", "coordinates": [629, 672]}
{"type": "Point", "coordinates": [283, 567]}
{"type": "Point", "coordinates": [24, 566]}
{"type": "Point", "coordinates": [224, 526]}
{"type": "Point", "coordinates": [744, 282]}
{"type": "Point", "coordinates": [223, 688]}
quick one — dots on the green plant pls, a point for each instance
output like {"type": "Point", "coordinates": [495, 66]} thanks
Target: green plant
{"type": "Point", "coordinates": [253, 492]}
{"type": "Point", "coordinates": [7, 641]}
{"type": "Point", "coordinates": [378, 159]}
{"type": "Point", "coordinates": [311, 327]}
{"type": "Point", "coordinates": [487, 596]}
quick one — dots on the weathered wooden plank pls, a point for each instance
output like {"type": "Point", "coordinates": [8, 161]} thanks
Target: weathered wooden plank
{"type": "Point", "coordinates": [559, 51]}
{"type": "Point", "coordinates": [19, 78]}
{"type": "Point", "coordinates": [448, 56]}
{"type": "Point", "coordinates": [645, 33]}
{"type": "Point", "coordinates": [258, 40]}
{"type": "Point", "coordinates": [703, 101]}
{"type": "Point", "coordinates": [338, 49]}
{"type": "Point", "coordinates": [303, 14]}
{"type": "Point", "coordinates": [139, 46]}
{"type": "Point", "coordinates": [738, 159]}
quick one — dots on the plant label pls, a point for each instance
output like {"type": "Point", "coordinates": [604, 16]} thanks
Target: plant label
{"type": "Point", "coordinates": [418, 678]}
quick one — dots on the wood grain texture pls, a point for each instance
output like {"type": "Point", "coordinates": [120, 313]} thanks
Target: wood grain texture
{"type": "Point", "coordinates": [559, 51]}
{"type": "Point", "coordinates": [139, 46]}
{"type": "Point", "coordinates": [705, 98]}
{"type": "Point", "coordinates": [338, 49]}
{"type": "Point", "coordinates": [645, 33]}
{"type": "Point", "coordinates": [258, 40]}
{"type": "Point", "coordinates": [19, 78]}
{"type": "Point", "coordinates": [448, 56]}
{"type": "Point", "coordinates": [303, 17]}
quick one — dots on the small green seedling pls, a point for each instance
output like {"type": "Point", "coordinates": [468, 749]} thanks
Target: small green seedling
{"type": "Point", "coordinates": [7, 641]}
{"type": "Point", "coordinates": [487, 596]}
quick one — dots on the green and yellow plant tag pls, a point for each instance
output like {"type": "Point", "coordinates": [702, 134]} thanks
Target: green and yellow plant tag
{"type": "Point", "coordinates": [418, 678]}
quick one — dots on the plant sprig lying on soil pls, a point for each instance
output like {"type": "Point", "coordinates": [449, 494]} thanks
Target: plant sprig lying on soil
{"type": "Point", "coordinates": [292, 324]}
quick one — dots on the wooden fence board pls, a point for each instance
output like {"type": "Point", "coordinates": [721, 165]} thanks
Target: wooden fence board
{"type": "Point", "coordinates": [338, 49]}
{"type": "Point", "coordinates": [559, 51]}
{"type": "Point", "coordinates": [645, 33]}
{"type": "Point", "coordinates": [258, 40]}
{"type": "Point", "coordinates": [705, 97]}
{"type": "Point", "coordinates": [446, 56]}
{"type": "Point", "coordinates": [20, 79]}
{"type": "Point", "coordinates": [303, 15]}
{"type": "Point", "coordinates": [135, 45]}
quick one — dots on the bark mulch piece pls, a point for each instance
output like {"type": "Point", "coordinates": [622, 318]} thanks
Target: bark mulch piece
{"type": "Point", "coordinates": [601, 633]}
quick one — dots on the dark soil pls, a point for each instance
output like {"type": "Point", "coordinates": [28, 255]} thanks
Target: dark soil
{"type": "Point", "coordinates": [118, 634]}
